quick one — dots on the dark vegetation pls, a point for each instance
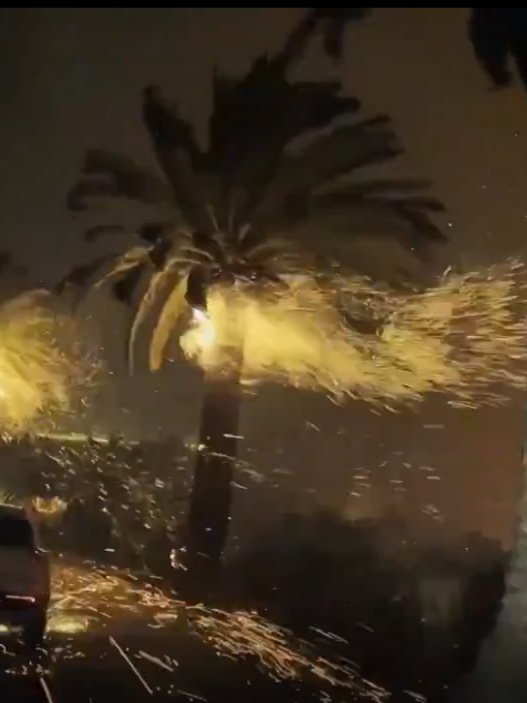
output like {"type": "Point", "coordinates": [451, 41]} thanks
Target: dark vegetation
{"type": "Point", "coordinates": [410, 614]}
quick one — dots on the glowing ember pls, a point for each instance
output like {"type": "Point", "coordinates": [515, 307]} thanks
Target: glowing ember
{"type": "Point", "coordinates": [49, 508]}
{"type": "Point", "coordinates": [67, 625]}
{"type": "Point", "coordinates": [461, 337]}
{"type": "Point", "coordinates": [36, 375]}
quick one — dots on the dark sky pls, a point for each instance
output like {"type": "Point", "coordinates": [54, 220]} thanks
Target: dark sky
{"type": "Point", "coordinates": [71, 79]}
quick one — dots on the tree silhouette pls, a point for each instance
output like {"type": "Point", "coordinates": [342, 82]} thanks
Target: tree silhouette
{"type": "Point", "coordinates": [237, 208]}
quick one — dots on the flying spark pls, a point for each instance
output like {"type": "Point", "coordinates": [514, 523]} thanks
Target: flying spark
{"type": "Point", "coordinates": [132, 666]}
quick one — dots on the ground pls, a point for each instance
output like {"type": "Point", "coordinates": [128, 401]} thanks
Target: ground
{"type": "Point", "coordinates": [93, 668]}
{"type": "Point", "coordinates": [108, 632]}
{"type": "Point", "coordinates": [85, 668]}
{"type": "Point", "coordinates": [113, 630]}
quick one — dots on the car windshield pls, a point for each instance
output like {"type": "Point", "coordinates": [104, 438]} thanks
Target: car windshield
{"type": "Point", "coordinates": [15, 532]}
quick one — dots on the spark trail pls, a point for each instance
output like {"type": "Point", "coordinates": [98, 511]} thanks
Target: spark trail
{"type": "Point", "coordinates": [132, 666]}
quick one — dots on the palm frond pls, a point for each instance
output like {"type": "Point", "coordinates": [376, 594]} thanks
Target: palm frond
{"type": "Point", "coordinates": [424, 229]}
{"type": "Point", "coordinates": [298, 40]}
{"type": "Point", "coordinates": [122, 264]}
{"type": "Point", "coordinates": [160, 281]}
{"type": "Point", "coordinates": [270, 109]}
{"type": "Point", "coordinates": [336, 154]}
{"type": "Point", "coordinates": [336, 21]}
{"type": "Point", "coordinates": [109, 174]}
{"type": "Point", "coordinates": [362, 233]}
{"type": "Point", "coordinates": [176, 261]}
{"type": "Point", "coordinates": [81, 276]}
{"type": "Point", "coordinates": [321, 106]}
{"type": "Point", "coordinates": [179, 157]}
{"type": "Point", "coordinates": [345, 149]}
{"type": "Point", "coordinates": [170, 315]}
{"type": "Point", "coordinates": [167, 129]}
{"type": "Point", "coordinates": [330, 21]}
{"type": "Point", "coordinates": [253, 120]}
{"type": "Point", "coordinates": [187, 190]}
{"type": "Point", "coordinates": [354, 198]}
{"type": "Point", "coordinates": [103, 269]}
{"type": "Point", "coordinates": [126, 287]}
{"type": "Point", "coordinates": [145, 305]}
{"type": "Point", "coordinates": [389, 186]}
{"type": "Point", "coordinates": [93, 233]}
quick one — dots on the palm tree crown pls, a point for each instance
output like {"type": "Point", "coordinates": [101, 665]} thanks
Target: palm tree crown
{"type": "Point", "coordinates": [281, 155]}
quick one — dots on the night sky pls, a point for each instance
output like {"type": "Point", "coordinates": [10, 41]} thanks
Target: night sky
{"type": "Point", "coordinates": [71, 79]}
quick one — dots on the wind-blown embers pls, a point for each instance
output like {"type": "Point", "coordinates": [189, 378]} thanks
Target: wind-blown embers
{"type": "Point", "coordinates": [281, 155]}
{"type": "Point", "coordinates": [345, 337]}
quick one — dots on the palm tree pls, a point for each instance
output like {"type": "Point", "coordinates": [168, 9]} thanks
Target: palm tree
{"type": "Point", "coordinates": [500, 673]}
{"type": "Point", "coordinates": [231, 204]}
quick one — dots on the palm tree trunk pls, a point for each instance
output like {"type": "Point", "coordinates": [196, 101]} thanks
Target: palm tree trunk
{"type": "Point", "coordinates": [211, 496]}
{"type": "Point", "coordinates": [500, 675]}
